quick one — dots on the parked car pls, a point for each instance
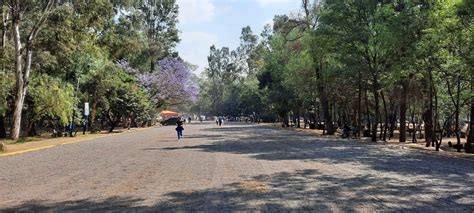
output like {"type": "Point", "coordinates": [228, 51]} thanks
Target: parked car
{"type": "Point", "coordinates": [169, 121]}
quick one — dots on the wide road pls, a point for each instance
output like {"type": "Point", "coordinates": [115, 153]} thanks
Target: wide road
{"type": "Point", "coordinates": [234, 167]}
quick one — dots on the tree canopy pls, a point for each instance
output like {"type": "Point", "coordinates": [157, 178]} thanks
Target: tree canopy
{"type": "Point", "coordinates": [58, 55]}
{"type": "Point", "coordinates": [375, 65]}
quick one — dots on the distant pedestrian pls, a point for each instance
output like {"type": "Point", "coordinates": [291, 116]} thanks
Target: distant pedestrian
{"type": "Point", "coordinates": [220, 121]}
{"type": "Point", "coordinates": [179, 128]}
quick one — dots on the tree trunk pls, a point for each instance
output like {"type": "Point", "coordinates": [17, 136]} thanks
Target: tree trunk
{"type": "Point", "coordinates": [438, 143]}
{"type": "Point", "coordinates": [393, 122]}
{"type": "Point", "coordinates": [112, 126]}
{"type": "Point", "coordinates": [359, 105]}
{"type": "Point", "coordinates": [31, 132]}
{"type": "Point", "coordinates": [305, 121]}
{"type": "Point", "coordinates": [458, 130]}
{"type": "Point", "coordinates": [386, 117]}
{"type": "Point", "coordinates": [428, 115]}
{"type": "Point", "coordinates": [403, 112]}
{"type": "Point", "coordinates": [93, 113]}
{"type": "Point", "coordinates": [20, 88]}
{"type": "Point", "coordinates": [428, 120]}
{"type": "Point", "coordinates": [382, 126]}
{"type": "Point", "coordinates": [367, 111]}
{"type": "Point", "coordinates": [113, 123]}
{"type": "Point", "coordinates": [4, 25]}
{"type": "Point", "coordinates": [436, 124]}
{"type": "Point", "coordinates": [3, 132]}
{"type": "Point", "coordinates": [470, 138]}
{"type": "Point", "coordinates": [298, 124]}
{"type": "Point", "coordinates": [22, 74]}
{"type": "Point", "coordinates": [324, 102]}
{"type": "Point", "coordinates": [317, 117]}
{"type": "Point", "coordinates": [376, 108]}
{"type": "Point", "coordinates": [415, 128]}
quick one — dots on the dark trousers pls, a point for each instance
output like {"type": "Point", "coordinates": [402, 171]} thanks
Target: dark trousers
{"type": "Point", "coordinates": [180, 133]}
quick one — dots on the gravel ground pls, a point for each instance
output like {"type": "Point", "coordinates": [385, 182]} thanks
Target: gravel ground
{"type": "Point", "coordinates": [233, 168]}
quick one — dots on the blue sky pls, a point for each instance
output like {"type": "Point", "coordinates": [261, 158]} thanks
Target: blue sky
{"type": "Point", "coordinates": [219, 22]}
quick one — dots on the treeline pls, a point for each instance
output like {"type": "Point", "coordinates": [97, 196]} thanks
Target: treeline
{"type": "Point", "coordinates": [374, 65]}
{"type": "Point", "coordinates": [57, 55]}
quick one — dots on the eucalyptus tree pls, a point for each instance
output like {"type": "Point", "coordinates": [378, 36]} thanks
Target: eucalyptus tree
{"type": "Point", "coordinates": [464, 25]}
{"type": "Point", "coordinates": [218, 75]}
{"type": "Point", "coordinates": [302, 36]}
{"type": "Point", "coordinates": [159, 25]}
{"type": "Point", "coordinates": [407, 25]}
{"type": "Point", "coordinates": [360, 27]}
{"type": "Point", "coordinates": [272, 79]}
{"type": "Point", "coordinates": [34, 13]}
{"type": "Point", "coordinates": [455, 70]}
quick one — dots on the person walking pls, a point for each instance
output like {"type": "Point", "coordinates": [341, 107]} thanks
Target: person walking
{"type": "Point", "coordinates": [179, 128]}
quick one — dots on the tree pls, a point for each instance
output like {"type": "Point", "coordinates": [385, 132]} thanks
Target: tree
{"type": "Point", "coordinates": [159, 19]}
{"type": "Point", "coordinates": [360, 28]}
{"type": "Point", "coordinates": [76, 42]}
{"type": "Point", "coordinates": [124, 100]}
{"type": "Point", "coordinates": [465, 29]}
{"type": "Point", "coordinates": [6, 85]}
{"type": "Point", "coordinates": [37, 14]}
{"type": "Point", "coordinates": [271, 79]}
{"type": "Point", "coordinates": [49, 98]}
{"type": "Point", "coordinates": [171, 85]}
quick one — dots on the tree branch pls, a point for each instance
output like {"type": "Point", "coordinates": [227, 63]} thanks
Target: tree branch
{"type": "Point", "coordinates": [41, 20]}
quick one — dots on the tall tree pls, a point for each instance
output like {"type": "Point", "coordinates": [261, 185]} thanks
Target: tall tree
{"type": "Point", "coordinates": [465, 12]}
{"type": "Point", "coordinates": [359, 26]}
{"type": "Point", "coordinates": [160, 19]}
{"type": "Point", "coordinates": [36, 13]}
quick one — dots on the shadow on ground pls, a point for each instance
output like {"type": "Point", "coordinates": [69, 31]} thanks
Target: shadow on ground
{"type": "Point", "coordinates": [266, 143]}
{"type": "Point", "coordinates": [431, 183]}
{"type": "Point", "coordinates": [302, 190]}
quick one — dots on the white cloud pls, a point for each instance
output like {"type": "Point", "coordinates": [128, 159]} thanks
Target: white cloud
{"type": "Point", "coordinates": [194, 47]}
{"type": "Point", "coordinates": [264, 3]}
{"type": "Point", "coordinates": [195, 11]}
{"type": "Point", "coordinates": [268, 21]}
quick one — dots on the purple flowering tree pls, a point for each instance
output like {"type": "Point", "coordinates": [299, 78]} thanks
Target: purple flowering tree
{"type": "Point", "coordinates": [171, 84]}
{"type": "Point", "coordinates": [124, 65]}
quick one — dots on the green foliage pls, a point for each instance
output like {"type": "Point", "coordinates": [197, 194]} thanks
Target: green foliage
{"type": "Point", "coordinates": [338, 55]}
{"type": "Point", "coordinates": [75, 55]}
{"type": "Point", "coordinates": [353, 60]}
{"type": "Point", "coordinates": [51, 98]}
{"type": "Point", "coordinates": [272, 77]}
{"type": "Point", "coordinates": [229, 85]}
{"type": "Point", "coordinates": [6, 84]}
